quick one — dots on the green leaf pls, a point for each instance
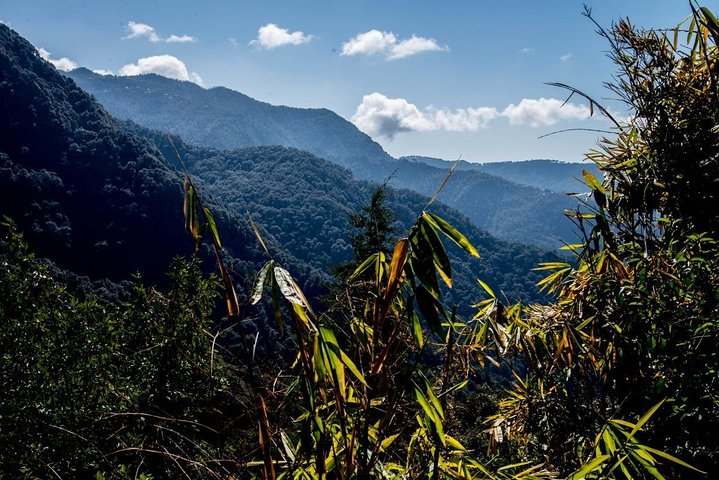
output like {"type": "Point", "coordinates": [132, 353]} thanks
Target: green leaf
{"type": "Point", "coordinates": [256, 231]}
{"type": "Point", "coordinates": [428, 306]}
{"type": "Point", "coordinates": [417, 330]}
{"type": "Point", "coordinates": [592, 182]}
{"type": "Point", "coordinates": [287, 444]}
{"type": "Point", "coordinates": [369, 261]}
{"type": "Point", "coordinates": [439, 255]}
{"type": "Point", "coordinates": [352, 367]}
{"type": "Point", "coordinates": [388, 441]}
{"type": "Point", "coordinates": [671, 458]}
{"type": "Point", "coordinates": [645, 418]}
{"type": "Point", "coordinates": [260, 282]}
{"type": "Point", "coordinates": [590, 467]}
{"type": "Point", "coordinates": [440, 224]}
{"type": "Point", "coordinates": [486, 288]}
{"type": "Point", "coordinates": [213, 227]}
{"type": "Point", "coordinates": [287, 286]}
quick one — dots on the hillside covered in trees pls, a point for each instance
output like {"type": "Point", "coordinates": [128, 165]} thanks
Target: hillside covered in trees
{"type": "Point", "coordinates": [560, 177]}
{"type": "Point", "coordinates": [222, 118]}
{"type": "Point", "coordinates": [614, 376]}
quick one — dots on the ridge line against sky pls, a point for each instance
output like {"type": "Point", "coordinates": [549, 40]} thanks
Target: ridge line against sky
{"type": "Point", "coordinates": [444, 80]}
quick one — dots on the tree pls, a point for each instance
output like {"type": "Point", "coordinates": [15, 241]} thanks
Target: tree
{"type": "Point", "coordinates": [635, 323]}
{"type": "Point", "coordinates": [374, 223]}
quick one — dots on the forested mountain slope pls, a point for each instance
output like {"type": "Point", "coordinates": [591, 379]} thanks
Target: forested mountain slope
{"type": "Point", "coordinates": [222, 118]}
{"type": "Point", "coordinates": [93, 198]}
{"type": "Point", "coordinates": [106, 203]}
{"type": "Point", "coordinates": [560, 177]}
{"type": "Point", "coordinates": [305, 203]}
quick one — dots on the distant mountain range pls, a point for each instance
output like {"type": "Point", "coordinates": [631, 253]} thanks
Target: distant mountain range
{"type": "Point", "coordinates": [104, 199]}
{"type": "Point", "coordinates": [560, 177]}
{"type": "Point", "coordinates": [516, 205]}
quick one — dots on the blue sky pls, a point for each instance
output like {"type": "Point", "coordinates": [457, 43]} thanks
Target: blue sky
{"type": "Point", "coordinates": [444, 79]}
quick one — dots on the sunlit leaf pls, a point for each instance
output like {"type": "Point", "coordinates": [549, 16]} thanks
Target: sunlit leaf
{"type": "Point", "coordinates": [440, 224]}
{"type": "Point", "coordinates": [369, 261]}
{"type": "Point", "coordinates": [260, 282]}
{"type": "Point", "coordinates": [212, 226]}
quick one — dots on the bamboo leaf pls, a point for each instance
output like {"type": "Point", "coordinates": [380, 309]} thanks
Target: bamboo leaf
{"type": "Point", "coordinates": [486, 288]}
{"type": "Point", "coordinates": [369, 261]}
{"type": "Point", "coordinates": [440, 224]}
{"type": "Point", "coordinates": [671, 458]}
{"type": "Point", "coordinates": [212, 226]}
{"type": "Point", "coordinates": [352, 367]}
{"type": "Point", "coordinates": [286, 285]}
{"type": "Point", "coordinates": [260, 282]}
{"type": "Point", "coordinates": [645, 418]}
{"type": "Point", "coordinates": [439, 254]}
{"type": "Point", "coordinates": [186, 203]}
{"type": "Point", "coordinates": [388, 441]}
{"type": "Point", "coordinates": [287, 444]}
{"type": "Point", "coordinates": [417, 330]}
{"type": "Point", "coordinates": [256, 231]}
{"type": "Point", "coordinates": [590, 467]}
{"type": "Point", "coordinates": [233, 307]}
{"type": "Point", "coordinates": [429, 308]}
{"type": "Point", "coordinates": [399, 258]}
{"type": "Point", "coordinates": [592, 182]}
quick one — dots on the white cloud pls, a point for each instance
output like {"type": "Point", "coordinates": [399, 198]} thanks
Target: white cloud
{"type": "Point", "coordinates": [383, 116]}
{"type": "Point", "coordinates": [165, 65]}
{"type": "Point", "coordinates": [272, 36]}
{"type": "Point", "coordinates": [102, 71]}
{"type": "Point", "coordinates": [180, 39]}
{"type": "Point", "coordinates": [369, 43]}
{"type": "Point", "coordinates": [378, 115]}
{"type": "Point", "coordinates": [140, 30]}
{"type": "Point", "coordinates": [375, 42]}
{"type": "Point", "coordinates": [63, 63]}
{"type": "Point", "coordinates": [543, 112]}
{"type": "Point", "coordinates": [413, 46]}
{"type": "Point", "coordinates": [565, 58]}
{"type": "Point", "coordinates": [233, 41]}
{"type": "Point", "coordinates": [526, 51]}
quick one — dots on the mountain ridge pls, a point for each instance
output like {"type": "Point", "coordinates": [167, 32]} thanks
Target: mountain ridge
{"type": "Point", "coordinates": [508, 210]}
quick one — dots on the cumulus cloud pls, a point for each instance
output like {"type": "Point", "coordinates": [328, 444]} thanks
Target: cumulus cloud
{"type": "Point", "coordinates": [543, 112]}
{"type": "Point", "coordinates": [383, 116]}
{"type": "Point", "coordinates": [565, 58]}
{"type": "Point", "coordinates": [102, 71]}
{"type": "Point", "coordinates": [378, 115]}
{"type": "Point", "coordinates": [139, 30]}
{"type": "Point", "coordinates": [180, 39]}
{"type": "Point", "coordinates": [369, 43]}
{"type": "Point", "coordinates": [142, 30]}
{"type": "Point", "coordinates": [526, 51]}
{"type": "Point", "coordinates": [272, 36]}
{"type": "Point", "coordinates": [165, 65]}
{"type": "Point", "coordinates": [63, 63]}
{"type": "Point", "coordinates": [386, 43]}
{"type": "Point", "coordinates": [413, 46]}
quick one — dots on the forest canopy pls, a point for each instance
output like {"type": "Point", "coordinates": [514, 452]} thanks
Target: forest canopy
{"type": "Point", "coordinates": [614, 377]}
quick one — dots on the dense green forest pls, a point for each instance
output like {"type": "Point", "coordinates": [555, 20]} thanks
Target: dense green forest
{"type": "Point", "coordinates": [221, 118]}
{"type": "Point", "coordinates": [614, 375]}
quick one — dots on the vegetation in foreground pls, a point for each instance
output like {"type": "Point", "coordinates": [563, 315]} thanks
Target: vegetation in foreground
{"type": "Point", "coordinates": [615, 379]}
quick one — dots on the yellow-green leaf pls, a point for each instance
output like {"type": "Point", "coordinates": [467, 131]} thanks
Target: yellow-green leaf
{"type": "Point", "coordinates": [213, 227]}
{"type": "Point", "coordinates": [440, 224]}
